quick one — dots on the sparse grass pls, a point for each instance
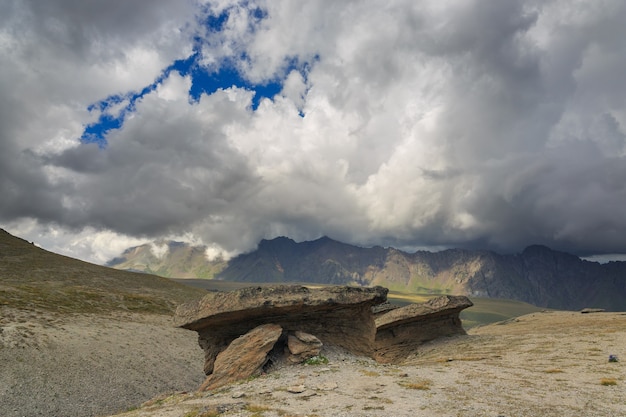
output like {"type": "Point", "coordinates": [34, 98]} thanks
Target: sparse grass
{"type": "Point", "coordinates": [374, 407]}
{"type": "Point", "coordinates": [316, 360]}
{"type": "Point", "coordinates": [369, 373]}
{"type": "Point", "coordinates": [256, 409]}
{"type": "Point", "coordinates": [608, 381]}
{"type": "Point", "coordinates": [37, 280]}
{"type": "Point", "coordinates": [422, 385]}
{"type": "Point", "coordinates": [381, 400]}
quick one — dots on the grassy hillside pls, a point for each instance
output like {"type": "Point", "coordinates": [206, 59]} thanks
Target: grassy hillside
{"type": "Point", "coordinates": [32, 278]}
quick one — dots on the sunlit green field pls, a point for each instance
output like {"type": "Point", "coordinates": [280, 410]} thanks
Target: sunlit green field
{"type": "Point", "coordinates": [484, 310]}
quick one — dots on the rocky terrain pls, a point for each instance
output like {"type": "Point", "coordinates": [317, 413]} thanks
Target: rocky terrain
{"type": "Point", "coordinates": [78, 339]}
{"type": "Point", "coordinates": [538, 275]}
{"type": "Point", "coordinates": [244, 331]}
{"type": "Point", "coordinates": [82, 340]}
{"type": "Point", "coordinates": [551, 364]}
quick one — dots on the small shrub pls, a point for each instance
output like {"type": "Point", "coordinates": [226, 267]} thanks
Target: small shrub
{"type": "Point", "coordinates": [374, 407]}
{"type": "Point", "coordinates": [316, 360]}
{"type": "Point", "coordinates": [608, 381]}
{"type": "Point", "coordinates": [255, 408]}
{"type": "Point", "coordinates": [419, 385]}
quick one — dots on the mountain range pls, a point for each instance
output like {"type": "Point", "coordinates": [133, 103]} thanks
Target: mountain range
{"type": "Point", "coordinates": [538, 275]}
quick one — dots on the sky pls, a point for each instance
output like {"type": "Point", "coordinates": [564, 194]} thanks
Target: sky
{"type": "Point", "coordinates": [478, 124]}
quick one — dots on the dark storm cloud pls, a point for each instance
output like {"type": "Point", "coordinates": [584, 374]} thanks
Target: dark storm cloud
{"type": "Point", "coordinates": [477, 124]}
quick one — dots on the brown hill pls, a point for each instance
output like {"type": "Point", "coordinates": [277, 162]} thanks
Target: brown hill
{"type": "Point", "coordinates": [33, 278]}
{"type": "Point", "coordinates": [78, 339]}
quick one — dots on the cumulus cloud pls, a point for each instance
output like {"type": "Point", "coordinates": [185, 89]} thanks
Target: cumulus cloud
{"type": "Point", "coordinates": [473, 124]}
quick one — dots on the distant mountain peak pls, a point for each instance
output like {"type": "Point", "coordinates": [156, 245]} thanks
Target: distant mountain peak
{"type": "Point", "coordinates": [538, 275]}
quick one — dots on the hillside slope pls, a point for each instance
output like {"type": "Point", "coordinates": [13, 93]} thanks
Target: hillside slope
{"type": "Point", "coordinates": [32, 278]}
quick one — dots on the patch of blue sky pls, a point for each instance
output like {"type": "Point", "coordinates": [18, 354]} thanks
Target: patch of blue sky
{"type": "Point", "coordinates": [115, 108]}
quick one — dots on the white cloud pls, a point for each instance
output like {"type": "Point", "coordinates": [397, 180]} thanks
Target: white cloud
{"type": "Point", "coordinates": [491, 124]}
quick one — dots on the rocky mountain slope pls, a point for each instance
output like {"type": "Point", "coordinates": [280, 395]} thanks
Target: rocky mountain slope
{"type": "Point", "coordinates": [169, 259]}
{"type": "Point", "coordinates": [538, 275]}
{"type": "Point", "coordinates": [78, 339]}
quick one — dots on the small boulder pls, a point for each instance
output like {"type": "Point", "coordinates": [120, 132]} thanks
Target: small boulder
{"type": "Point", "coordinates": [302, 346]}
{"type": "Point", "coordinates": [244, 357]}
{"type": "Point", "coordinates": [592, 310]}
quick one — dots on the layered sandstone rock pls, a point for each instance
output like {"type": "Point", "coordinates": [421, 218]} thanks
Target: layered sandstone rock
{"type": "Point", "coordinates": [291, 323]}
{"type": "Point", "coordinates": [339, 316]}
{"type": "Point", "coordinates": [400, 331]}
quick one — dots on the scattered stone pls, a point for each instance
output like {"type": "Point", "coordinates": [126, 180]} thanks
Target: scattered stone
{"type": "Point", "coordinates": [238, 394]}
{"type": "Point", "coordinates": [296, 389]}
{"type": "Point", "coordinates": [244, 357]}
{"type": "Point", "coordinates": [592, 310]}
{"type": "Point", "coordinates": [308, 394]}
{"type": "Point", "coordinates": [302, 346]}
{"type": "Point", "coordinates": [327, 386]}
{"type": "Point", "coordinates": [400, 331]}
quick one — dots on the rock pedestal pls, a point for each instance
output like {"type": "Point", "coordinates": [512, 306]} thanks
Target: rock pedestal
{"type": "Point", "coordinates": [399, 332]}
{"type": "Point", "coordinates": [240, 331]}
{"type": "Point", "coordinates": [339, 316]}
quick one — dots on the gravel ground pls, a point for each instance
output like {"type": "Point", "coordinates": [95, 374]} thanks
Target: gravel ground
{"type": "Point", "coordinates": [552, 364]}
{"type": "Point", "coordinates": [91, 365]}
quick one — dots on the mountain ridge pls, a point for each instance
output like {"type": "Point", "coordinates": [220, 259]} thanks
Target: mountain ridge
{"type": "Point", "coordinates": [537, 275]}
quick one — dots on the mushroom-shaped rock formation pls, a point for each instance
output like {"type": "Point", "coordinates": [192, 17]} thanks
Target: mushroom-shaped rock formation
{"type": "Point", "coordinates": [339, 316]}
{"type": "Point", "coordinates": [400, 331]}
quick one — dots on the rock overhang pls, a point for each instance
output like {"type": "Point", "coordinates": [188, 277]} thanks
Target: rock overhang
{"type": "Point", "coordinates": [224, 308]}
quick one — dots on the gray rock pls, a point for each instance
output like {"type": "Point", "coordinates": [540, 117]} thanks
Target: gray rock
{"type": "Point", "coordinates": [400, 331]}
{"type": "Point", "coordinates": [302, 346]}
{"type": "Point", "coordinates": [244, 357]}
{"type": "Point", "coordinates": [339, 315]}
{"type": "Point", "coordinates": [592, 310]}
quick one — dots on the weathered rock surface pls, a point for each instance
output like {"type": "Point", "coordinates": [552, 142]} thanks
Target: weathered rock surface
{"type": "Point", "coordinates": [592, 310]}
{"type": "Point", "coordinates": [244, 357]}
{"type": "Point", "coordinates": [400, 331]}
{"type": "Point", "coordinates": [340, 315]}
{"type": "Point", "coordinates": [302, 346]}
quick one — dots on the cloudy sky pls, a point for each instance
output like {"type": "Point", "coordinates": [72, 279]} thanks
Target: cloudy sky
{"type": "Point", "coordinates": [486, 124]}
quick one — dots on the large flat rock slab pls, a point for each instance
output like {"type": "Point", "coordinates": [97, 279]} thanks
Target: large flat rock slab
{"type": "Point", "coordinates": [339, 315]}
{"type": "Point", "coordinates": [223, 308]}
